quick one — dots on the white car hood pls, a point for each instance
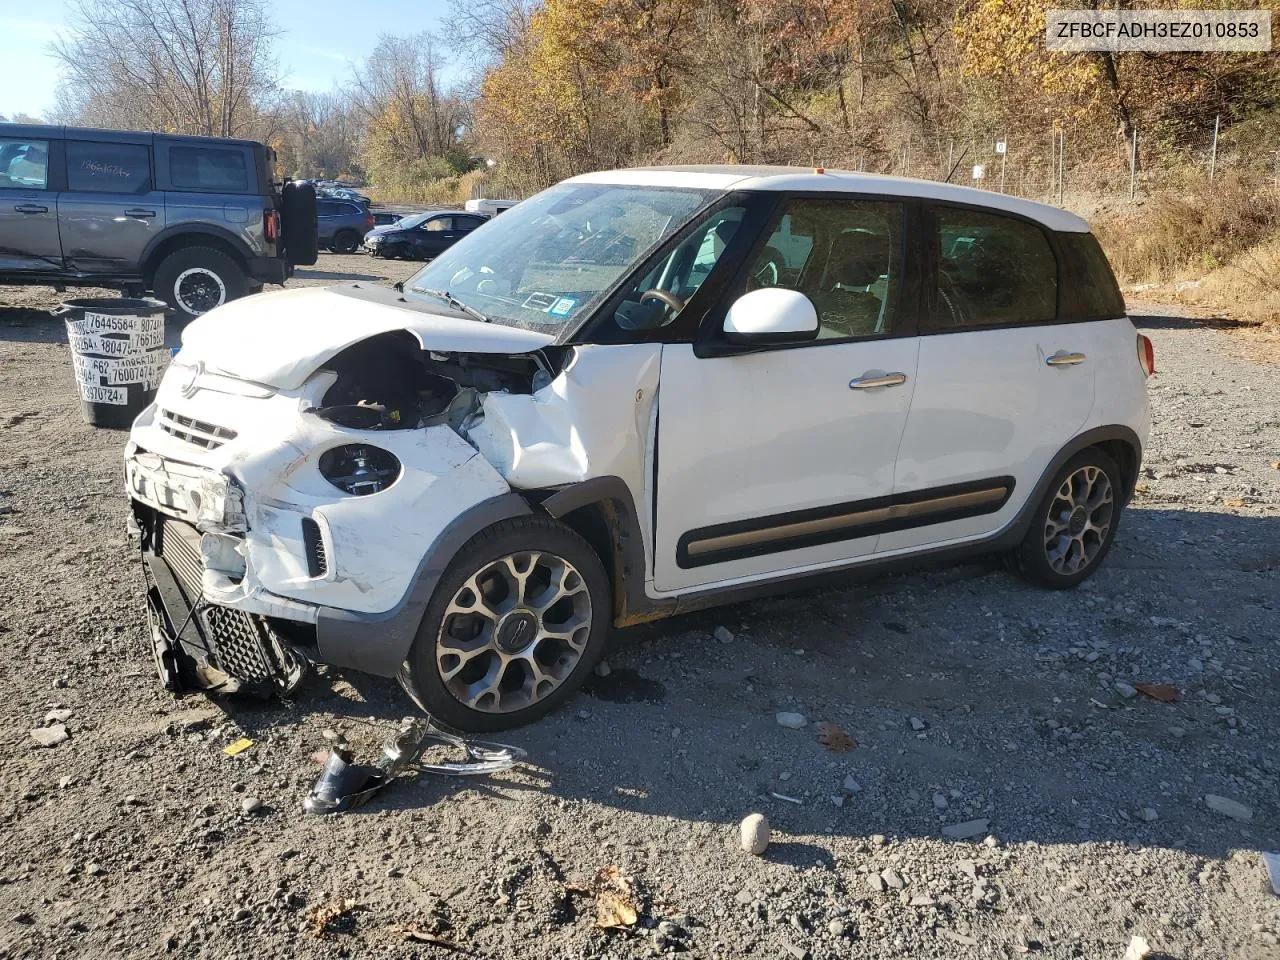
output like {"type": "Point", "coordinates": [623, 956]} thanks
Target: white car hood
{"type": "Point", "coordinates": [281, 338]}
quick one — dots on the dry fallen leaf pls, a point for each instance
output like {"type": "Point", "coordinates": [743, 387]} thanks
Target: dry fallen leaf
{"type": "Point", "coordinates": [1275, 464]}
{"type": "Point", "coordinates": [322, 916]}
{"type": "Point", "coordinates": [615, 899]}
{"type": "Point", "coordinates": [1235, 502]}
{"type": "Point", "coordinates": [1140, 488]}
{"type": "Point", "coordinates": [834, 738]}
{"type": "Point", "coordinates": [1164, 692]}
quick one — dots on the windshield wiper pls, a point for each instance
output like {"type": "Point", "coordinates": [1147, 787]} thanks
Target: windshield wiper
{"type": "Point", "coordinates": [454, 302]}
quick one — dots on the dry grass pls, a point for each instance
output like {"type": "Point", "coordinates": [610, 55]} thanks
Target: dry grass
{"type": "Point", "coordinates": [1213, 246]}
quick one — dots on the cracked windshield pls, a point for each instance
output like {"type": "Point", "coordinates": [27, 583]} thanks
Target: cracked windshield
{"type": "Point", "coordinates": [546, 263]}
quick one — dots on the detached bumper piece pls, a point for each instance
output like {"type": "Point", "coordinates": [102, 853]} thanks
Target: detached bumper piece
{"type": "Point", "coordinates": [199, 645]}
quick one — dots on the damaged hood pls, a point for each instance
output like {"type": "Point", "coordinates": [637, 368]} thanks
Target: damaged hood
{"type": "Point", "coordinates": [279, 339]}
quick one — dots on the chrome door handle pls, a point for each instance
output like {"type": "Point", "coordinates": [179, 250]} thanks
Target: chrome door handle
{"type": "Point", "coordinates": [30, 208]}
{"type": "Point", "coordinates": [139, 213]}
{"type": "Point", "coordinates": [868, 381]}
{"type": "Point", "coordinates": [1064, 359]}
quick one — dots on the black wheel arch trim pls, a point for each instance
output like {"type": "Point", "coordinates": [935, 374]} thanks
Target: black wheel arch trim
{"type": "Point", "coordinates": [195, 231]}
{"type": "Point", "coordinates": [378, 643]}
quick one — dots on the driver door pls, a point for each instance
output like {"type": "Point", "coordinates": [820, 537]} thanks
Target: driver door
{"type": "Point", "coordinates": [781, 459]}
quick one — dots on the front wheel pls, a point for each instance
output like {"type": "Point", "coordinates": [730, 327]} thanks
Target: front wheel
{"type": "Point", "coordinates": [517, 622]}
{"type": "Point", "coordinates": [1074, 525]}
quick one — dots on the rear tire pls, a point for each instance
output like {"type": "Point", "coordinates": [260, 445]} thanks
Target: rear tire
{"type": "Point", "coordinates": [517, 622]}
{"type": "Point", "coordinates": [194, 280]}
{"type": "Point", "coordinates": [1075, 524]}
{"type": "Point", "coordinates": [345, 242]}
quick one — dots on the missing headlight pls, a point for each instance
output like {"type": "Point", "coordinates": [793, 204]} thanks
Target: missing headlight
{"type": "Point", "coordinates": [359, 469]}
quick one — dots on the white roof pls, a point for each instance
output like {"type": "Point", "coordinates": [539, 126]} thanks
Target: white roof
{"type": "Point", "coordinates": [742, 177]}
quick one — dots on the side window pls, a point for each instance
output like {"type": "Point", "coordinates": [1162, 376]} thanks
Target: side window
{"type": "Point", "coordinates": [844, 255]}
{"type": "Point", "coordinates": [467, 223]}
{"type": "Point", "coordinates": [108, 167]}
{"type": "Point", "coordinates": [1091, 292]}
{"type": "Point", "coordinates": [438, 223]}
{"type": "Point", "coordinates": [24, 164]}
{"type": "Point", "coordinates": [992, 270]}
{"type": "Point", "coordinates": [215, 169]}
{"type": "Point", "coordinates": [325, 208]}
{"type": "Point", "coordinates": [657, 298]}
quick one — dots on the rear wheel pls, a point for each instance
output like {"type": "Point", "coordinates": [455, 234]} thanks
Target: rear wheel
{"type": "Point", "coordinates": [1074, 525]}
{"type": "Point", "coordinates": [517, 622]}
{"type": "Point", "coordinates": [346, 241]}
{"type": "Point", "coordinates": [194, 280]}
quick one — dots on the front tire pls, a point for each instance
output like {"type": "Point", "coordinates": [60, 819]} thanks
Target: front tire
{"type": "Point", "coordinates": [1075, 524]}
{"type": "Point", "coordinates": [194, 280]}
{"type": "Point", "coordinates": [517, 622]}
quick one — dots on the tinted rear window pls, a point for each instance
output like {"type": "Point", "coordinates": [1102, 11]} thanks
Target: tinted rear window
{"type": "Point", "coordinates": [208, 168]}
{"type": "Point", "coordinates": [1091, 291]}
{"type": "Point", "coordinates": [108, 167]}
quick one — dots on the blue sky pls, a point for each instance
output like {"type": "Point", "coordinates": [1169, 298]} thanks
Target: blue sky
{"type": "Point", "coordinates": [319, 42]}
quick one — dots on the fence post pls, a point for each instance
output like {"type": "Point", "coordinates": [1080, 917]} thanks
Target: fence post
{"type": "Point", "coordinates": [1133, 163]}
{"type": "Point", "coordinates": [1213, 153]}
{"type": "Point", "coordinates": [1062, 165]}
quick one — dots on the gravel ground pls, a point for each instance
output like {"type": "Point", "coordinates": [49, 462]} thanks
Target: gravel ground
{"type": "Point", "coordinates": [970, 696]}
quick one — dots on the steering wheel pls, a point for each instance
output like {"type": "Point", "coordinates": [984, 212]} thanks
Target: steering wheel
{"type": "Point", "coordinates": [670, 299]}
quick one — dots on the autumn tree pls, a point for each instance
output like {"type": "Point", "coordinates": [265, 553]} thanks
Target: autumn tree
{"type": "Point", "coordinates": [179, 66]}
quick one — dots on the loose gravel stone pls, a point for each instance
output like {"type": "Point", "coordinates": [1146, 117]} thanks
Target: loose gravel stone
{"type": "Point", "coordinates": [792, 721]}
{"type": "Point", "coordinates": [967, 830]}
{"type": "Point", "coordinates": [1228, 807]}
{"type": "Point", "coordinates": [754, 833]}
{"type": "Point", "coordinates": [50, 736]}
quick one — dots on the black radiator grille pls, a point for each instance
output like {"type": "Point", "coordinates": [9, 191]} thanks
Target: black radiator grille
{"type": "Point", "coordinates": [317, 561]}
{"type": "Point", "coordinates": [238, 644]}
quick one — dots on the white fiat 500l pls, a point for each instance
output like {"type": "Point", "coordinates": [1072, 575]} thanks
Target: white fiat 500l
{"type": "Point", "coordinates": [635, 394]}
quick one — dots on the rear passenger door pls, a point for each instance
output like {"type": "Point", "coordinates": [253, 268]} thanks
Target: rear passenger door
{"type": "Point", "coordinates": [326, 220]}
{"type": "Point", "coordinates": [28, 205]}
{"type": "Point", "coordinates": [110, 209]}
{"type": "Point", "coordinates": [434, 236]}
{"type": "Point", "coordinates": [1001, 386]}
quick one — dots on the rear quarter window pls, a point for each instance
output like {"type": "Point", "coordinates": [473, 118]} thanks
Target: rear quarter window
{"type": "Point", "coordinates": [214, 169]}
{"type": "Point", "coordinates": [1091, 291]}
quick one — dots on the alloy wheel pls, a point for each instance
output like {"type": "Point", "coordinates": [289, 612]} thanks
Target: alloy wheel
{"type": "Point", "coordinates": [1079, 520]}
{"type": "Point", "coordinates": [198, 290]}
{"type": "Point", "coordinates": [514, 632]}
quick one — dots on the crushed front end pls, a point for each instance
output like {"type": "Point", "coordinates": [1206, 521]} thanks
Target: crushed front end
{"type": "Point", "coordinates": [283, 523]}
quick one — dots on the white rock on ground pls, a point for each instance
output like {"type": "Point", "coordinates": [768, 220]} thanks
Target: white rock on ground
{"type": "Point", "coordinates": [1228, 807]}
{"type": "Point", "coordinates": [792, 721]}
{"type": "Point", "coordinates": [50, 736]}
{"type": "Point", "coordinates": [754, 833]}
{"type": "Point", "coordinates": [1139, 949]}
{"type": "Point", "coordinates": [723, 634]}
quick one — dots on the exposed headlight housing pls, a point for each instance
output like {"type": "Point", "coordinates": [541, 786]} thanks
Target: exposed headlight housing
{"type": "Point", "coordinates": [359, 469]}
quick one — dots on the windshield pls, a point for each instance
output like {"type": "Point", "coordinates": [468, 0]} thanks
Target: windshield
{"type": "Point", "coordinates": [547, 262]}
{"type": "Point", "coordinates": [411, 221]}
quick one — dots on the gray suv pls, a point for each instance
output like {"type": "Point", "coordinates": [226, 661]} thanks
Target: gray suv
{"type": "Point", "coordinates": [196, 220]}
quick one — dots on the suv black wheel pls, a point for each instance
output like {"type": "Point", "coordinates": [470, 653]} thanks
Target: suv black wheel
{"type": "Point", "coordinates": [1074, 525]}
{"type": "Point", "coordinates": [346, 241]}
{"type": "Point", "coordinates": [517, 622]}
{"type": "Point", "coordinates": [194, 280]}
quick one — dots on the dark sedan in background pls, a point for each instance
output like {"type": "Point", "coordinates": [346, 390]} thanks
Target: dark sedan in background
{"type": "Point", "coordinates": [421, 236]}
